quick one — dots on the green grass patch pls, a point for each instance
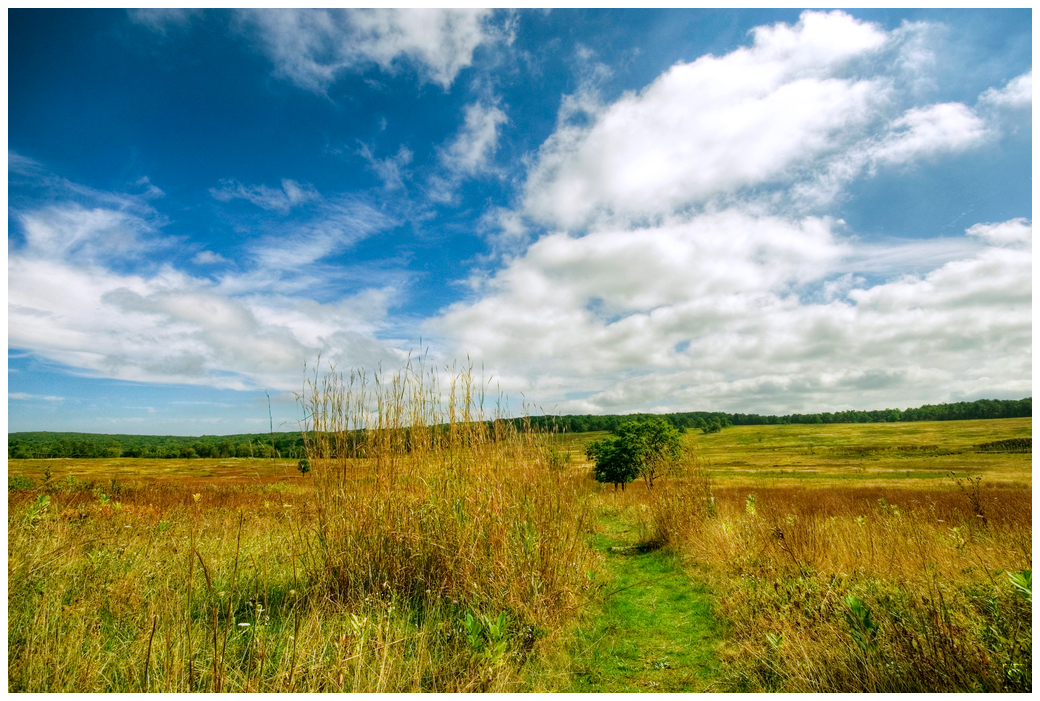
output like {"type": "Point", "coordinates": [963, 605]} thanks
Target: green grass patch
{"type": "Point", "coordinates": [654, 630]}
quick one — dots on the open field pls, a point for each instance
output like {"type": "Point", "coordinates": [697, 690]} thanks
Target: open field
{"type": "Point", "coordinates": [806, 558]}
{"type": "Point", "coordinates": [214, 471]}
{"type": "Point", "coordinates": [892, 454]}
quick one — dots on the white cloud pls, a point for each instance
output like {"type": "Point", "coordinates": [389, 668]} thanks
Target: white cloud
{"type": "Point", "coordinates": [313, 47]}
{"type": "Point", "coordinates": [68, 302]}
{"type": "Point", "coordinates": [469, 152]}
{"type": "Point", "coordinates": [173, 328]}
{"type": "Point", "coordinates": [290, 195]}
{"type": "Point", "coordinates": [708, 313]}
{"type": "Point", "coordinates": [160, 20]}
{"type": "Point", "coordinates": [23, 397]}
{"type": "Point", "coordinates": [1017, 93]}
{"type": "Point", "coordinates": [208, 258]}
{"type": "Point", "coordinates": [390, 170]}
{"type": "Point", "coordinates": [583, 302]}
{"type": "Point", "coordinates": [332, 228]}
{"type": "Point", "coordinates": [924, 132]}
{"type": "Point", "coordinates": [790, 119]}
{"type": "Point", "coordinates": [90, 234]}
{"type": "Point", "coordinates": [713, 126]}
{"type": "Point", "coordinates": [687, 266]}
{"type": "Point", "coordinates": [476, 142]}
{"type": "Point", "coordinates": [1016, 232]}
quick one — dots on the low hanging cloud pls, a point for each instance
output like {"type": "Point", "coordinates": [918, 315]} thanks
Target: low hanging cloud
{"type": "Point", "coordinates": [312, 48]}
{"type": "Point", "coordinates": [712, 314]}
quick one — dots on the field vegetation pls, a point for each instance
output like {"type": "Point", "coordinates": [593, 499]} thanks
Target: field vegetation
{"type": "Point", "coordinates": [446, 550]}
{"type": "Point", "coordinates": [861, 558]}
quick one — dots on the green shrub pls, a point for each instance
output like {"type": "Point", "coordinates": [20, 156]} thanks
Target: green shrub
{"type": "Point", "coordinates": [19, 483]}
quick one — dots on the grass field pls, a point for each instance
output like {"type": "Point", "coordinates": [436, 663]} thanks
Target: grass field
{"type": "Point", "coordinates": [882, 557]}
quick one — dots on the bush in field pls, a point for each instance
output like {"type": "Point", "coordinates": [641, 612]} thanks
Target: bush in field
{"type": "Point", "coordinates": [640, 449]}
{"type": "Point", "coordinates": [19, 483]}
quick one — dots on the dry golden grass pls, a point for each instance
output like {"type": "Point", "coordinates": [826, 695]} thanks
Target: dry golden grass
{"type": "Point", "coordinates": [145, 470]}
{"type": "Point", "coordinates": [860, 588]}
{"type": "Point", "coordinates": [455, 557]}
{"type": "Point", "coordinates": [445, 564]}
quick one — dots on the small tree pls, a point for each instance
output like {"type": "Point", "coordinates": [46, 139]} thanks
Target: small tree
{"type": "Point", "coordinates": [304, 467]}
{"type": "Point", "coordinates": [659, 445]}
{"type": "Point", "coordinates": [615, 461]}
{"type": "Point", "coordinates": [639, 449]}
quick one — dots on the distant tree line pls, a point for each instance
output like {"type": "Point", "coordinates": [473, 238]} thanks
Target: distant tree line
{"type": "Point", "coordinates": [291, 446]}
{"type": "Point", "coordinates": [980, 409]}
{"type": "Point", "coordinates": [88, 445]}
{"type": "Point", "coordinates": [611, 422]}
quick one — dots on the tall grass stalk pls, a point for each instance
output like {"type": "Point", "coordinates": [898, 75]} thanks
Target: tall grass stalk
{"type": "Point", "coordinates": [429, 504]}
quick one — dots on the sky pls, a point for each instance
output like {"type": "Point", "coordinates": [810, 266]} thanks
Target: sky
{"type": "Point", "coordinates": [604, 211]}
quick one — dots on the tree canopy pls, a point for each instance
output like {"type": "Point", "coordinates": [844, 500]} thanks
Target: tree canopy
{"type": "Point", "coordinates": [639, 449]}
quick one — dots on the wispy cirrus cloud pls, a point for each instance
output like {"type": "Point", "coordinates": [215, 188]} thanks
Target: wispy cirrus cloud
{"type": "Point", "coordinates": [391, 170]}
{"type": "Point", "coordinates": [72, 300]}
{"type": "Point", "coordinates": [163, 20]}
{"type": "Point", "coordinates": [470, 151]}
{"type": "Point", "coordinates": [24, 397]}
{"type": "Point", "coordinates": [282, 200]}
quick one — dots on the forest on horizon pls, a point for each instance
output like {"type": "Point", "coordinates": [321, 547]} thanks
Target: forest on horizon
{"type": "Point", "coordinates": [46, 444]}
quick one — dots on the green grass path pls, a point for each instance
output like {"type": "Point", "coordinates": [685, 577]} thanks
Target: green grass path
{"type": "Point", "coordinates": [655, 631]}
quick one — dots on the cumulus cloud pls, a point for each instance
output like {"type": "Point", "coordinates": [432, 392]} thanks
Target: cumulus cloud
{"type": "Point", "coordinates": [1017, 93]}
{"type": "Point", "coordinates": [687, 268]}
{"type": "Point", "coordinates": [712, 126]}
{"type": "Point", "coordinates": [173, 328]}
{"type": "Point", "coordinates": [923, 132]}
{"type": "Point", "coordinates": [1014, 233]}
{"type": "Point", "coordinates": [686, 257]}
{"type": "Point", "coordinates": [797, 113]}
{"type": "Point", "coordinates": [312, 48]}
{"type": "Point", "coordinates": [708, 313]}
{"type": "Point", "coordinates": [208, 258]}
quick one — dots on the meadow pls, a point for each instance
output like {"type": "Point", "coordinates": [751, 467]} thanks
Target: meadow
{"type": "Point", "coordinates": [447, 551]}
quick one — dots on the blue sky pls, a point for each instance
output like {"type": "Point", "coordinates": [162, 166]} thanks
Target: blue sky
{"type": "Point", "coordinates": [608, 211]}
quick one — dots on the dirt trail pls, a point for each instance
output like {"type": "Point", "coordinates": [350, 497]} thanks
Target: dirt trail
{"type": "Point", "coordinates": [655, 631]}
